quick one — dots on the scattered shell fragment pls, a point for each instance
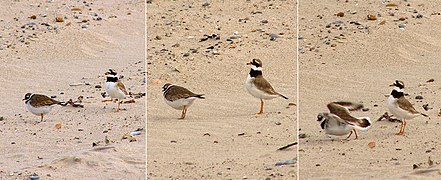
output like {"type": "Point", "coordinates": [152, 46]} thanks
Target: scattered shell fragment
{"type": "Point", "coordinates": [75, 9]}
{"type": "Point", "coordinates": [340, 14]}
{"type": "Point", "coordinates": [59, 19]}
{"type": "Point", "coordinates": [156, 81]}
{"type": "Point", "coordinates": [371, 144]}
{"type": "Point", "coordinates": [391, 5]}
{"type": "Point", "coordinates": [371, 17]}
{"type": "Point", "coordinates": [134, 133]}
{"type": "Point", "coordinates": [286, 162]}
{"type": "Point", "coordinates": [58, 125]}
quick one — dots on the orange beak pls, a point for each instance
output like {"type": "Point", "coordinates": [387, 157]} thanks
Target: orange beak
{"type": "Point", "coordinates": [391, 85]}
{"type": "Point", "coordinates": [248, 63]}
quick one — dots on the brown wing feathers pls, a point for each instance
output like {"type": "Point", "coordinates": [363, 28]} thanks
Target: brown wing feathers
{"type": "Point", "coordinates": [177, 92]}
{"type": "Point", "coordinates": [42, 100]}
{"type": "Point", "coordinates": [341, 109]}
{"type": "Point", "coordinates": [122, 87]}
{"type": "Point", "coordinates": [262, 84]}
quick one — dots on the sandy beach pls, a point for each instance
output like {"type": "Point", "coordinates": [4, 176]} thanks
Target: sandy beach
{"type": "Point", "coordinates": [221, 137]}
{"type": "Point", "coordinates": [63, 50]}
{"type": "Point", "coordinates": [349, 57]}
{"type": "Point", "coordinates": [348, 51]}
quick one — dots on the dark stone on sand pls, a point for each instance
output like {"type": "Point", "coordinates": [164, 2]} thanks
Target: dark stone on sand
{"type": "Point", "coordinates": [419, 97]}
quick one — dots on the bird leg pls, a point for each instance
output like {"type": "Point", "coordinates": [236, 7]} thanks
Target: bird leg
{"type": "Point", "coordinates": [403, 125]}
{"type": "Point", "coordinates": [184, 111]}
{"type": "Point", "coordinates": [106, 100]}
{"type": "Point", "coordinates": [42, 117]}
{"type": "Point", "coordinates": [356, 135]}
{"type": "Point", "coordinates": [261, 107]}
{"type": "Point", "coordinates": [117, 109]}
{"type": "Point", "coordinates": [349, 136]}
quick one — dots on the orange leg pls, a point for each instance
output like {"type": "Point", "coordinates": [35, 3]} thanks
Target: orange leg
{"type": "Point", "coordinates": [41, 117]}
{"type": "Point", "coordinates": [349, 135]}
{"type": "Point", "coordinates": [261, 107]}
{"type": "Point", "coordinates": [356, 135]}
{"type": "Point", "coordinates": [184, 112]}
{"type": "Point", "coordinates": [117, 109]}
{"type": "Point", "coordinates": [403, 125]}
{"type": "Point", "coordinates": [106, 100]}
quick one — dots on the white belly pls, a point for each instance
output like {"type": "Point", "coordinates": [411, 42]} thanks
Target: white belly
{"type": "Point", "coordinates": [180, 103]}
{"type": "Point", "coordinates": [398, 112]}
{"type": "Point", "coordinates": [337, 129]}
{"type": "Point", "coordinates": [114, 92]}
{"type": "Point", "coordinates": [253, 90]}
{"type": "Point", "coordinates": [38, 110]}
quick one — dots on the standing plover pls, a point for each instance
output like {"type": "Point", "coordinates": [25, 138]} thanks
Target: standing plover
{"type": "Point", "coordinates": [114, 88]}
{"type": "Point", "coordinates": [339, 122]}
{"type": "Point", "coordinates": [399, 106]}
{"type": "Point", "coordinates": [258, 86]}
{"type": "Point", "coordinates": [39, 104]}
{"type": "Point", "coordinates": [179, 97]}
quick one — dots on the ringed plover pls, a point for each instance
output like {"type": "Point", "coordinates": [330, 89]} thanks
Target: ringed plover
{"type": "Point", "coordinates": [39, 104]}
{"type": "Point", "coordinates": [399, 106]}
{"type": "Point", "coordinates": [339, 121]}
{"type": "Point", "coordinates": [179, 97]}
{"type": "Point", "coordinates": [114, 88]}
{"type": "Point", "coordinates": [258, 86]}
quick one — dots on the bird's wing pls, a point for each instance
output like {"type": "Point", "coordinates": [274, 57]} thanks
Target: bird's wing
{"type": "Point", "coordinates": [121, 87]}
{"type": "Point", "coordinates": [404, 104]}
{"type": "Point", "coordinates": [42, 100]}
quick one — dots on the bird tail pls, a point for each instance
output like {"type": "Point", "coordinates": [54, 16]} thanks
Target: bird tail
{"type": "Point", "coordinates": [363, 123]}
{"type": "Point", "coordinates": [62, 103]}
{"type": "Point", "coordinates": [200, 96]}
{"type": "Point", "coordinates": [283, 96]}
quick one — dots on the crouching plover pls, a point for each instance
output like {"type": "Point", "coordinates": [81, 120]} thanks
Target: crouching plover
{"type": "Point", "coordinates": [179, 97]}
{"type": "Point", "coordinates": [339, 122]}
{"type": "Point", "coordinates": [39, 104]}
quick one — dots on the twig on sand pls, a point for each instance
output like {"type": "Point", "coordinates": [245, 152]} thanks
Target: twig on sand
{"type": "Point", "coordinates": [388, 117]}
{"type": "Point", "coordinates": [287, 146]}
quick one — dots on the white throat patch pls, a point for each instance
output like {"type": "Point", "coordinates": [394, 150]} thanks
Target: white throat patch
{"type": "Point", "coordinates": [256, 68]}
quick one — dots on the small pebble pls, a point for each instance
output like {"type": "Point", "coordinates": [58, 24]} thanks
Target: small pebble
{"type": "Point", "coordinates": [418, 97]}
{"type": "Point", "coordinates": [273, 37]}
{"type": "Point", "coordinates": [286, 162]}
{"type": "Point", "coordinates": [34, 176]}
